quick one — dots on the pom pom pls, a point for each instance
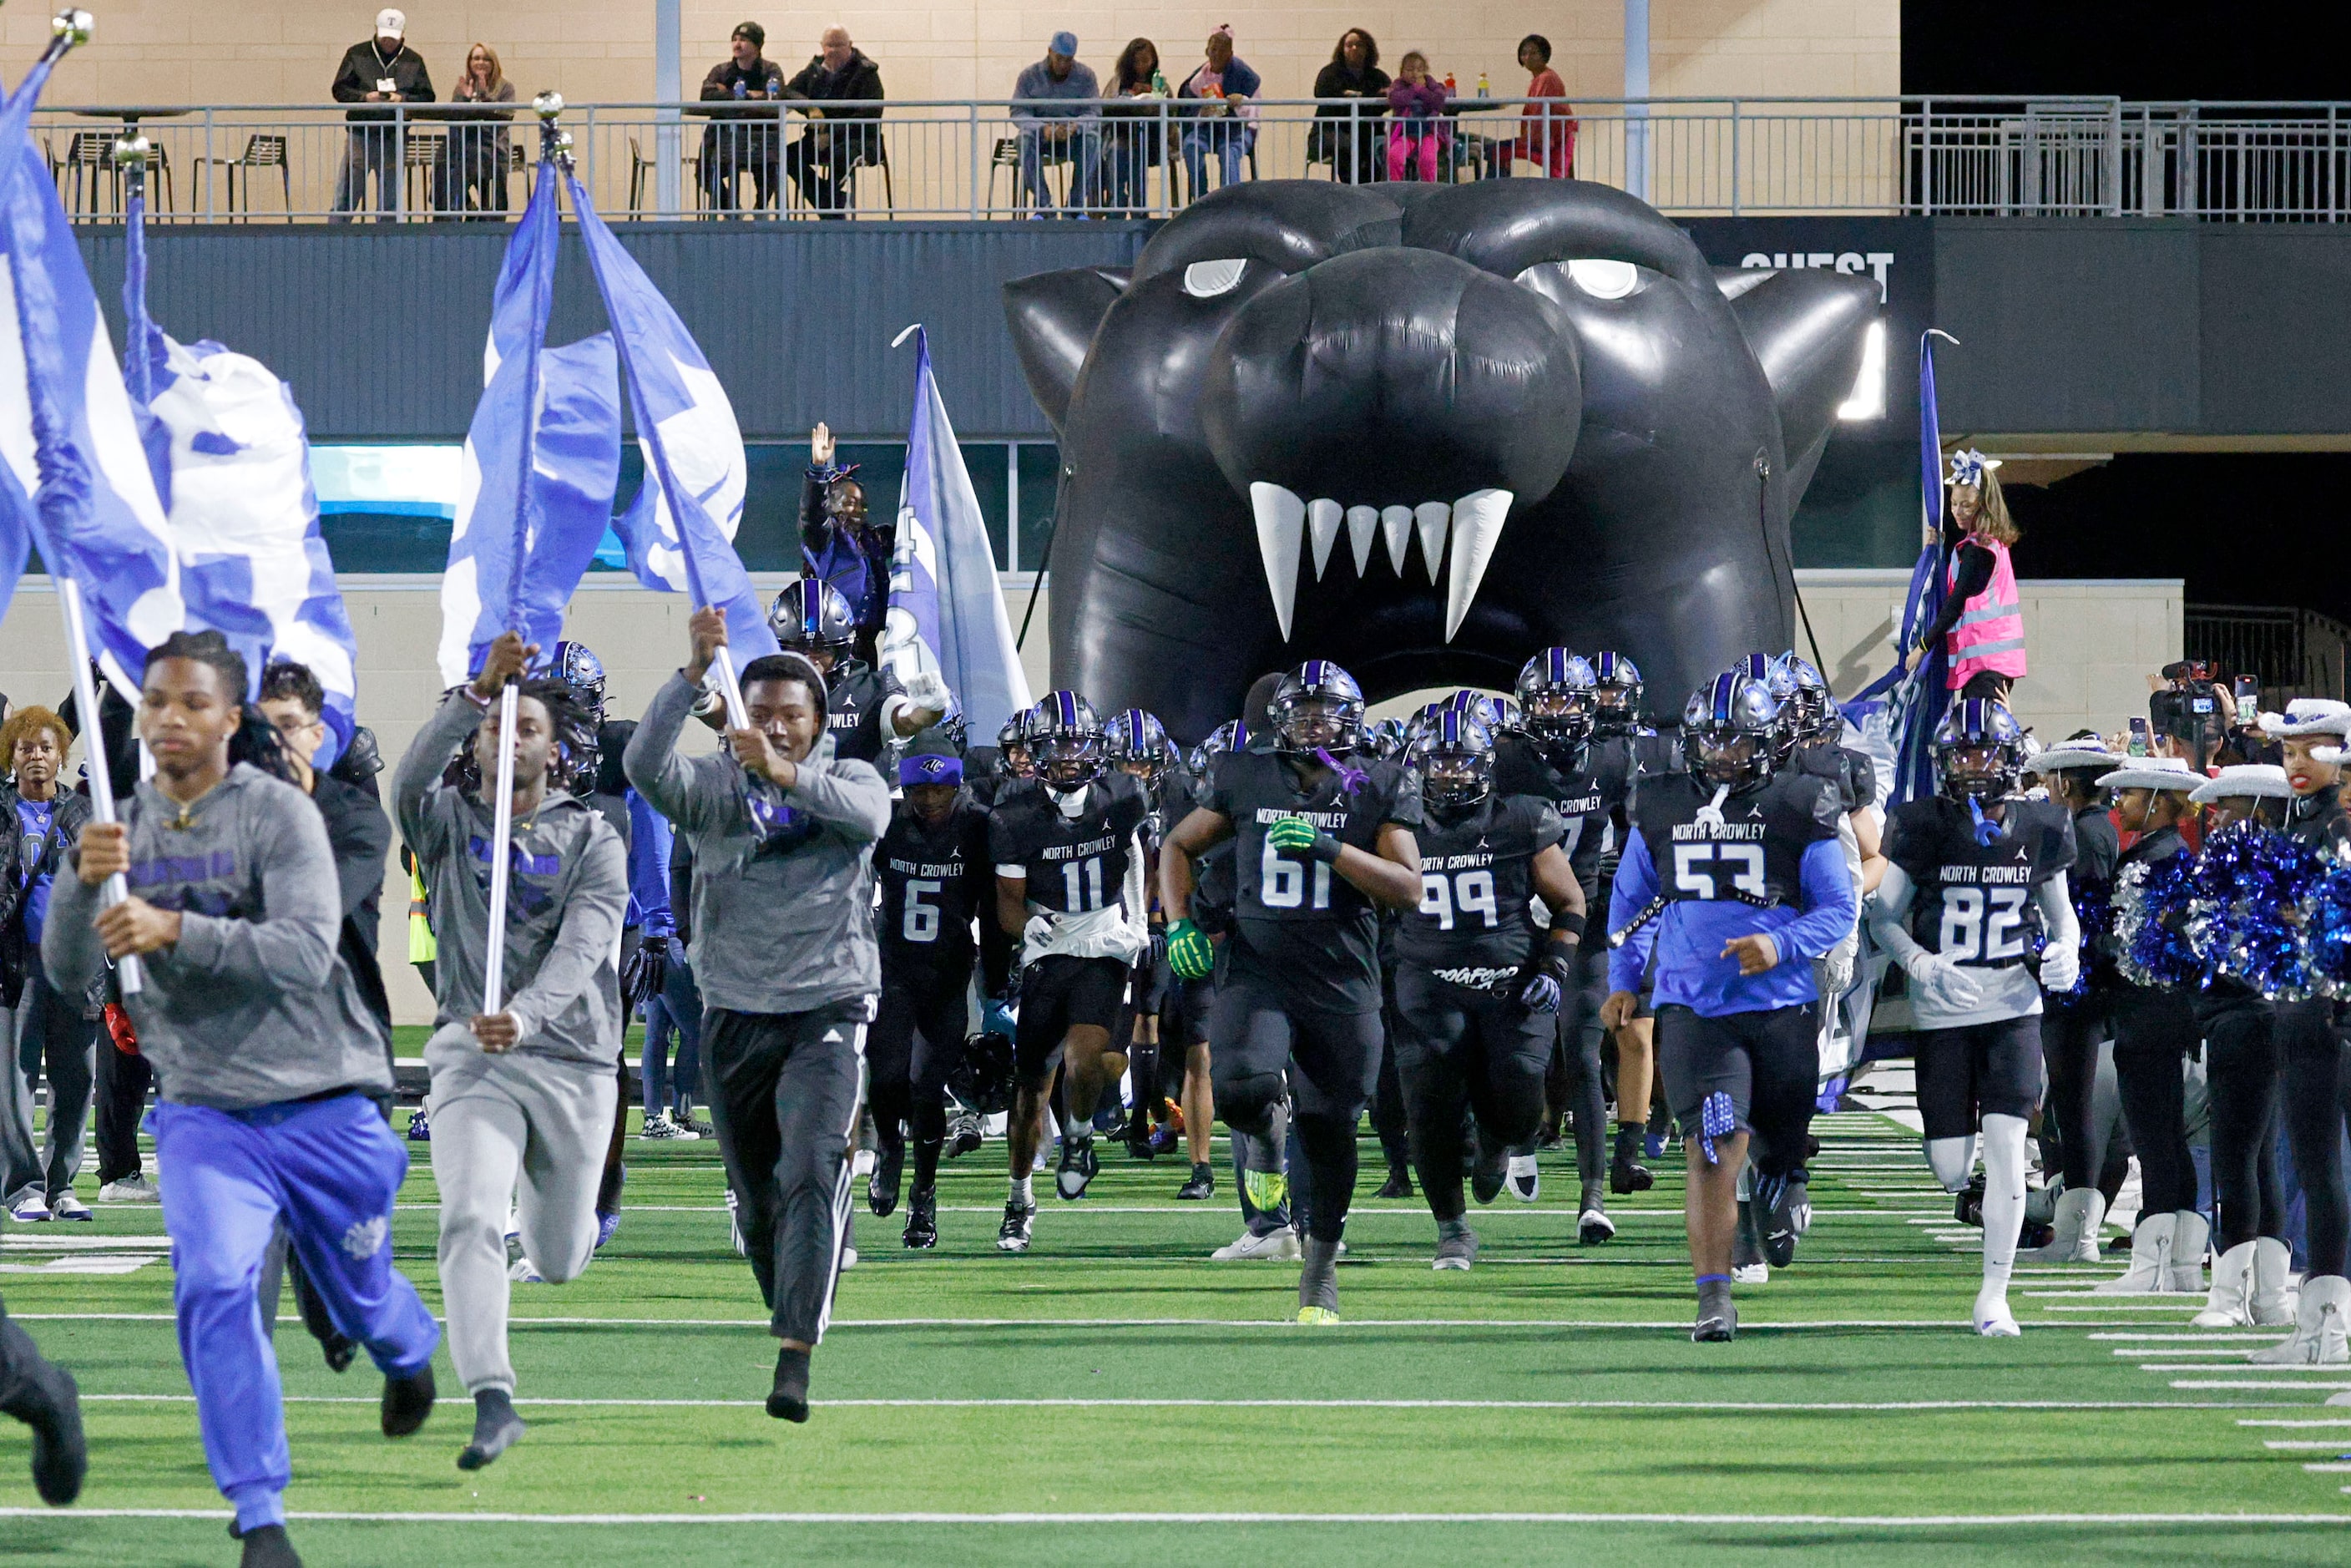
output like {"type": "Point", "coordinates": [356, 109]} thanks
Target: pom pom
{"type": "Point", "coordinates": [2151, 912]}
{"type": "Point", "coordinates": [2093, 912]}
{"type": "Point", "coordinates": [2326, 924]}
{"type": "Point", "coordinates": [2244, 910]}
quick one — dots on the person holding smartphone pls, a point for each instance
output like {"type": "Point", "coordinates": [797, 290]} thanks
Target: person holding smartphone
{"type": "Point", "coordinates": [381, 71]}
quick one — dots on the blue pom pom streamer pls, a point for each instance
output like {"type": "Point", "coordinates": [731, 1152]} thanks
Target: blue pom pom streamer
{"type": "Point", "coordinates": [2151, 911]}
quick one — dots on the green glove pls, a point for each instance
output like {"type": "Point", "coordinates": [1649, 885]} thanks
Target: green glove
{"type": "Point", "coordinates": [1188, 953]}
{"type": "Point", "coordinates": [1298, 833]}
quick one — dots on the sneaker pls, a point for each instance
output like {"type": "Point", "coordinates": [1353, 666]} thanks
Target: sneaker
{"type": "Point", "coordinates": [1398, 1185]}
{"type": "Point", "coordinates": [1525, 1178]}
{"type": "Point", "coordinates": [689, 1125]}
{"type": "Point", "coordinates": [419, 1131]}
{"type": "Point", "coordinates": [66, 1206]}
{"type": "Point", "coordinates": [130, 1189]}
{"type": "Point", "coordinates": [882, 1186]}
{"type": "Point", "coordinates": [1078, 1164]}
{"type": "Point", "coordinates": [1019, 1219]}
{"type": "Point", "coordinates": [32, 1209]}
{"type": "Point", "coordinates": [659, 1128]}
{"type": "Point", "coordinates": [963, 1135]}
{"type": "Point", "coordinates": [1203, 1184]}
{"type": "Point", "coordinates": [1457, 1250]}
{"type": "Point", "coordinates": [608, 1225]}
{"type": "Point", "coordinates": [1783, 1211]}
{"type": "Point", "coordinates": [1593, 1226]}
{"type": "Point", "coordinates": [1273, 1246]}
{"type": "Point", "coordinates": [922, 1220]}
{"type": "Point", "coordinates": [1318, 1316]}
{"type": "Point", "coordinates": [1165, 1140]}
{"type": "Point", "coordinates": [523, 1271]}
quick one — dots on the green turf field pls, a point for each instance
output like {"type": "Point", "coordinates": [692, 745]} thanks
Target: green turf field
{"type": "Point", "coordinates": [1114, 1398]}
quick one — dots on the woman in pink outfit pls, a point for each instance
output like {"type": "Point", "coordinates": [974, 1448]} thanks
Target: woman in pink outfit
{"type": "Point", "coordinates": [1418, 124]}
{"type": "Point", "coordinates": [1546, 134]}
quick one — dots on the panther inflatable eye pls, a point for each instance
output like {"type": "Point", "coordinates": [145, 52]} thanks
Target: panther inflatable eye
{"type": "Point", "coordinates": [1604, 279]}
{"type": "Point", "coordinates": [1206, 280]}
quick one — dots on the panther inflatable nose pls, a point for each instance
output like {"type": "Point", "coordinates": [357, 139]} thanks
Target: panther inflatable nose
{"type": "Point", "coordinates": [1528, 408]}
{"type": "Point", "coordinates": [1399, 392]}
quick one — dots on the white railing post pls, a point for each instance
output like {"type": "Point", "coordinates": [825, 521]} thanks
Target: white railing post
{"type": "Point", "coordinates": [2115, 158]}
{"type": "Point", "coordinates": [1734, 157]}
{"type": "Point", "coordinates": [208, 164]}
{"type": "Point", "coordinates": [972, 136]}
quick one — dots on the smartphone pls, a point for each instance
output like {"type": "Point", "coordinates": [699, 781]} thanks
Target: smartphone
{"type": "Point", "coordinates": [2249, 698]}
{"type": "Point", "coordinates": [2139, 742]}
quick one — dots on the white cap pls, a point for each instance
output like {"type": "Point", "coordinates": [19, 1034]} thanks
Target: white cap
{"type": "Point", "coordinates": [2309, 715]}
{"type": "Point", "coordinates": [391, 22]}
{"type": "Point", "coordinates": [2263, 780]}
{"type": "Point", "coordinates": [2152, 773]}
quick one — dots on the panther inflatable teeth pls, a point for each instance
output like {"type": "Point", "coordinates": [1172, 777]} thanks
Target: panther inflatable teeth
{"type": "Point", "coordinates": [1424, 431]}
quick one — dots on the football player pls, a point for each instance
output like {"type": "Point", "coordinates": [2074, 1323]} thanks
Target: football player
{"type": "Point", "coordinates": [865, 708]}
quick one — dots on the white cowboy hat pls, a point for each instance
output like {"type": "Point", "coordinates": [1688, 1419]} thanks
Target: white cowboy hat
{"type": "Point", "coordinates": [2152, 773]}
{"type": "Point", "coordinates": [2262, 779]}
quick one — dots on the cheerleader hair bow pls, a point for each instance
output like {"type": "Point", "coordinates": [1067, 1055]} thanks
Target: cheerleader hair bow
{"type": "Point", "coordinates": [1968, 467]}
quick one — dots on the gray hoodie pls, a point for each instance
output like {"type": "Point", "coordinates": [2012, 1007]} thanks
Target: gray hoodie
{"type": "Point", "coordinates": [253, 1006]}
{"type": "Point", "coordinates": [567, 890]}
{"type": "Point", "coordinates": [776, 930]}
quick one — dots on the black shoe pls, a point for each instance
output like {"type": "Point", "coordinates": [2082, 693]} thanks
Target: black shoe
{"type": "Point", "coordinates": [340, 1351]}
{"type": "Point", "coordinates": [1486, 1177]}
{"type": "Point", "coordinates": [1783, 1211]}
{"type": "Point", "coordinates": [407, 1401]}
{"type": "Point", "coordinates": [1717, 1326]}
{"type": "Point", "coordinates": [1624, 1177]}
{"type": "Point", "coordinates": [788, 1400]}
{"type": "Point", "coordinates": [882, 1186]}
{"type": "Point", "coordinates": [1012, 1236]}
{"type": "Point", "coordinates": [267, 1548]}
{"type": "Point", "coordinates": [51, 1407]}
{"type": "Point", "coordinates": [496, 1428]}
{"type": "Point", "coordinates": [923, 1219]}
{"type": "Point", "coordinates": [1138, 1139]}
{"type": "Point", "coordinates": [1079, 1165]}
{"type": "Point", "coordinates": [1398, 1185]}
{"type": "Point", "coordinates": [1203, 1184]}
{"type": "Point", "coordinates": [964, 1136]}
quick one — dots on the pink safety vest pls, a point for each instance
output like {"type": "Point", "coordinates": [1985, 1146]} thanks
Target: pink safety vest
{"type": "Point", "coordinates": [1989, 632]}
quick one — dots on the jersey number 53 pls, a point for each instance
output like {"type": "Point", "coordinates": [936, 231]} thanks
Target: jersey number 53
{"type": "Point", "coordinates": [1695, 867]}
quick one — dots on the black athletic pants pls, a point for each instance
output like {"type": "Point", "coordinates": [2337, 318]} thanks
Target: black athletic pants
{"type": "Point", "coordinates": [916, 1040]}
{"type": "Point", "coordinates": [1767, 1061]}
{"type": "Point", "coordinates": [122, 1081]}
{"type": "Point", "coordinates": [2240, 1070]}
{"type": "Point", "coordinates": [784, 1098]}
{"type": "Point", "coordinates": [2153, 1032]}
{"type": "Point", "coordinates": [2070, 1038]}
{"type": "Point", "coordinates": [1575, 1084]}
{"type": "Point", "coordinates": [2310, 1042]}
{"type": "Point", "coordinates": [1456, 1047]}
{"type": "Point", "coordinates": [1262, 1046]}
{"type": "Point", "coordinates": [1389, 1119]}
{"type": "Point", "coordinates": [21, 1366]}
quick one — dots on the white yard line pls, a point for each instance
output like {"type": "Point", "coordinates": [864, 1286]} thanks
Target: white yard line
{"type": "Point", "coordinates": [1832, 1520]}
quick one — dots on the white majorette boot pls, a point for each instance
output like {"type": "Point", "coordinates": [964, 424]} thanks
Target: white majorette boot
{"type": "Point", "coordinates": [2270, 1297]}
{"type": "Point", "coordinates": [2150, 1264]}
{"type": "Point", "coordinates": [2230, 1305]}
{"type": "Point", "coordinates": [2318, 1338]}
{"type": "Point", "coordinates": [2189, 1232]}
{"type": "Point", "coordinates": [2079, 1215]}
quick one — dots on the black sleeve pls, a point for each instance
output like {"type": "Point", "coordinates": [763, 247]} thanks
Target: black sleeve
{"type": "Point", "coordinates": [715, 84]}
{"type": "Point", "coordinates": [815, 527]}
{"type": "Point", "coordinates": [866, 87]}
{"type": "Point", "coordinates": [1974, 577]}
{"type": "Point", "coordinates": [681, 886]}
{"type": "Point", "coordinates": [353, 84]}
{"type": "Point", "coordinates": [359, 834]}
{"type": "Point", "coordinates": [420, 89]}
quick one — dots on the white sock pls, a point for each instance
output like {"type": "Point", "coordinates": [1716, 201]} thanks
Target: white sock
{"type": "Point", "coordinates": [2003, 1200]}
{"type": "Point", "coordinates": [1020, 1191]}
{"type": "Point", "coordinates": [1953, 1161]}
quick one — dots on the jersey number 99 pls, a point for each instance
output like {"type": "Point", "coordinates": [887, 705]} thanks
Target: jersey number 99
{"type": "Point", "coordinates": [1443, 898]}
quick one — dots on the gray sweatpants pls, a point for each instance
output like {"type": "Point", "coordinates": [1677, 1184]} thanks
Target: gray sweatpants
{"type": "Point", "coordinates": [499, 1121]}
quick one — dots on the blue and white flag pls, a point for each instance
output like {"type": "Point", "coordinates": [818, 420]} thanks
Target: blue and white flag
{"type": "Point", "coordinates": [542, 459]}
{"type": "Point", "coordinates": [680, 530]}
{"type": "Point", "coordinates": [946, 605]}
{"type": "Point", "coordinates": [79, 481]}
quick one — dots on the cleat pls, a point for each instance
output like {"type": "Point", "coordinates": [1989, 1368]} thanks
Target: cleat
{"type": "Point", "coordinates": [1525, 1178]}
{"type": "Point", "coordinates": [1318, 1316]}
{"type": "Point", "coordinates": [1782, 1210]}
{"type": "Point", "coordinates": [1274, 1245]}
{"type": "Point", "coordinates": [1717, 1316]}
{"type": "Point", "coordinates": [49, 1401]}
{"type": "Point", "coordinates": [1992, 1318]}
{"type": "Point", "coordinates": [1203, 1184]}
{"type": "Point", "coordinates": [1141, 1143]}
{"type": "Point", "coordinates": [407, 1401]}
{"type": "Point", "coordinates": [1079, 1165]}
{"type": "Point", "coordinates": [1750, 1274]}
{"type": "Point", "coordinates": [1487, 1175]}
{"type": "Point", "coordinates": [1398, 1185]}
{"type": "Point", "coordinates": [1268, 1190]}
{"type": "Point", "coordinates": [923, 1219]}
{"type": "Point", "coordinates": [1019, 1219]}
{"type": "Point", "coordinates": [608, 1225]}
{"type": "Point", "coordinates": [882, 1186]}
{"type": "Point", "coordinates": [788, 1399]}
{"type": "Point", "coordinates": [1653, 1144]}
{"type": "Point", "coordinates": [1166, 1139]}
{"type": "Point", "coordinates": [963, 1136]}
{"type": "Point", "coordinates": [1625, 1173]}
{"type": "Point", "coordinates": [266, 1546]}
{"type": "Point", "coordinates": [130, 1189]}
{"type": "Point", "coordinates": [1457, 1246]}
{"type": "Point", "coordinates": [420, 1130]}
{"type": "Point", "coordinates": [523, 1271]}
{"type": "Point", "coordinates": [496, 1428]}
{"type": "Point", "coordinates": [1593, 1226]}
{"type": "Point", "coordinates": [1747, 1264]}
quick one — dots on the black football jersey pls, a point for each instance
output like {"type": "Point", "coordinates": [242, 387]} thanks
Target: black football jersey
{"type": "Point", "coordinates": [1755, 854]}
{"type": "Point", "coordinates": [1581, 799]}
{"type": "Point", "coordinates": [1974, 901]}
{"type": "Point", "coordinates": [935, 880]}
{"type": "Point", "coordinates": [1298, 920]}
{"type": "Point", "coordinates": [853, 701]}
{"type": "Point", "coordinates": [1853, 774]}
{"type": "Point", "coordinates": [1074, 864]}
{"type": "Point", "coordinates": [1618, 763]}
{"type": "Point", "coordinates": [1474, 924]}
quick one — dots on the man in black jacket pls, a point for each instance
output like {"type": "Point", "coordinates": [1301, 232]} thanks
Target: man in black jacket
{"type": "Point", "coordinates": [742, 141]}
{"type": "Point", "coordinates": [357, 829]}
{"type": "Point", "coordinates": [382, 70]}
{"type": "Point", "coordinates": [821, 161]}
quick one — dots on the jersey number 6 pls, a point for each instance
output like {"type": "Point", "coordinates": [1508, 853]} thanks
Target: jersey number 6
{"type": "Point", "coordinates": [1743, 861]}
{"type": "Point", "coordinates": [921, 922]}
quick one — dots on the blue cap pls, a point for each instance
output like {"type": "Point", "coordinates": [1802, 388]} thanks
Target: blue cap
{"type": "Point", "coordinates": [1063, 42]}
{"type": "Point", "coordinates": [929, 768]}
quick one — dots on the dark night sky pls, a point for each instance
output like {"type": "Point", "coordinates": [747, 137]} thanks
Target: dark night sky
{"type": "Point", "coordinates": [2243, 528]}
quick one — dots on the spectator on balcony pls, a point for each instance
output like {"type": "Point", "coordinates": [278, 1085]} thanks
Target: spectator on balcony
{"type": "Point", "coordinates": [1346, 134]}
{"type": "Point", "coordinates": [1224, 121]}
{"type": "Point", "coordinates": [1060, 123]}
{"type": "Point", "coordinates": [1419, 128]}
{"type": "Point", "coordinates": [382, 71]}
{"type": "Point", "coordinates": [835, 82]}
{"type": "Point", "coordinates": [1546, 131]}
{"type": "Point", "coordinates": [745, 143]}
{"type": "Point", "coordinates": [474, 161]}
{"type": "Point", "coordinates": [1133, 129]}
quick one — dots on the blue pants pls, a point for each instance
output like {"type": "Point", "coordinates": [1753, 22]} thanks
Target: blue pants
{"type": "Point", "coordinates": [326, 1169]}
{"type": "Point", "coordinates": [678, 1005]}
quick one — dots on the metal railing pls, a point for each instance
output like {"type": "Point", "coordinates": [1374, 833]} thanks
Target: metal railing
{"type": "Point", "coordinates": [2294, 653]}
{"type": "Point", "coordinates": [1148, 157]}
